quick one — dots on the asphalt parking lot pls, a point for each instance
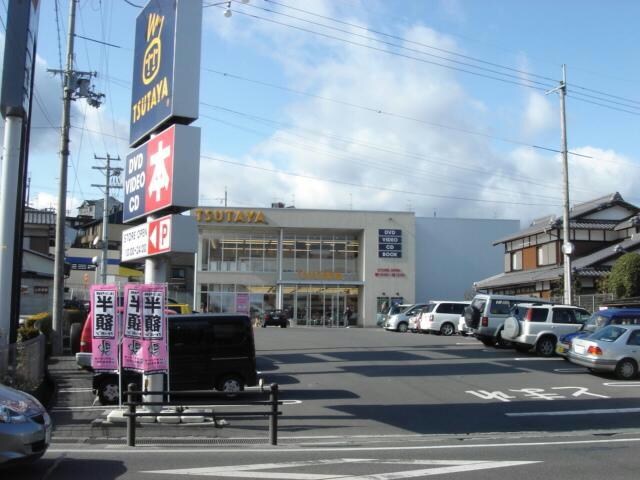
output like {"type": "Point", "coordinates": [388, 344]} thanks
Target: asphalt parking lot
{"type": "Point", "coordinates": [357, 385]}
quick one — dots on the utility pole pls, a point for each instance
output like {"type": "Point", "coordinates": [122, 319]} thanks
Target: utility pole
{"type": "Point", "coordinates": [109, 173]}
{"type": "Point", "coordinates": [567, 246]}
{"type": "Point", "coordinates": [76, 85]}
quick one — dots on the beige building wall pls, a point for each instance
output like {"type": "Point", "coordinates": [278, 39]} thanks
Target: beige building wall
{"type": "Point", "coordinates": [377, 276]}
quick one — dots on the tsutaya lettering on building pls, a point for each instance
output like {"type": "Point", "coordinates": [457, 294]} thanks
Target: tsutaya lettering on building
{"type": "Point", "coordinates": [162, 173]}
{"type": "Point", "coordinates": [389, 243]}
{"type": "Point", "coordinates": [229, 216]}
{"type": "Point", "coordinates": [166, 66]}
{"type": "Point", "coordinates": [320, 275]}
{"type": "Point", "coordinates": [157, 237]}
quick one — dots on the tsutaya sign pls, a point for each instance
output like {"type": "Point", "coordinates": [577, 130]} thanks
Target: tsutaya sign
{"type": "Point", "coordinates": [166, 66]}
{"type": "Point", "coordinates": [229, 216]}
{"type": "Point", "coordinates": [162, 173]}
{"type": "Point", "coordinates": [158, 236]}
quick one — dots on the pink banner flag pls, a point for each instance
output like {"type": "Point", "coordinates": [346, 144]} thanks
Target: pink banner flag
{"type": "Point", "coordinates": [154, 329]}
{"type": "Point", "coordinates": [104, 322]}
{"type": "Point", "coordinates": [132, 352]}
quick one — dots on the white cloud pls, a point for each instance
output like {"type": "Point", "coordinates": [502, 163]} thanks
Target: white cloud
{"type": "Point", "coordinates": [539, 115]}
{"type": "Point", "coordinates": [43, 200]}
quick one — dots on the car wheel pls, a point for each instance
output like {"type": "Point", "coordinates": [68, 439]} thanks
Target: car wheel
{"type": "Point", "coordinates": [501, 342]}
{"type": "Point", "coordinates": [546, 346]}
{"type": "Point", "coordinates": [626, 369]}
{"type": "Point", "coordinates": [231, 385]}
{"type": "Point", "coordinates": [75, 333]}
{"type": "Point", "coordinates": [402, 327]}
{"type": "Point", "coordinates": [108, 391]}
{"type": "Point", "coordinates": [447, 329]}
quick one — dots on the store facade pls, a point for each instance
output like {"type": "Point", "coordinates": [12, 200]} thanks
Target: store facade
{"type": "Point", "coordinates": [322, 267]}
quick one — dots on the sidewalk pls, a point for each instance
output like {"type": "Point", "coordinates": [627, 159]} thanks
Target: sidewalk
{"type": "Point", "coordinates": [79, 418]}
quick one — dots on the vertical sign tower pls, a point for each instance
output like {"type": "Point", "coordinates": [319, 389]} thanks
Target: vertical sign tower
{"type": "Point", "coordinates": [162, 172]}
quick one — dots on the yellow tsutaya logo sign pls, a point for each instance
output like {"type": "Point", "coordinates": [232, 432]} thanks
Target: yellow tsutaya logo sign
{"type": "Point", "coordinates": [151, 63]}
{"type": "Point", "coordinates": [230, 216]}
{"type": "Point", "coordinates": [153, 52]}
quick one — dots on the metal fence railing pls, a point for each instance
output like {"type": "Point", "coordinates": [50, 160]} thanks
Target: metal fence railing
{"type": "Point", "coordinates": [590, 302]}
{"type": "Point", "coordinates": [23, 365]}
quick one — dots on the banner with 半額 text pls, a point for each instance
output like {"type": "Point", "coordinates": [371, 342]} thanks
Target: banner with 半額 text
{"type": "Point", "coordinates": [104, 323]}
{"type": "Point", "coordinates": [132, 353]}
{"type": "Point", "coordinates": [155, 353]}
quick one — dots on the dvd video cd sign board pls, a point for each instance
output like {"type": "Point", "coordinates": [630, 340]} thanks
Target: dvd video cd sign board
{"type": "Point", "coordinates": [166, 66]}
{"type": "Point", "coordinates": [389, 243]}
{"type": "Point", "coordinates": [163, 173]}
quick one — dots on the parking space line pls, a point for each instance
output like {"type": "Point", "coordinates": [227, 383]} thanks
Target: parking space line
{"type": "Point", "coordinates": [75, 390]}
{"type": "Point", "coordinates": [571, 370]}
{"type": "Point", "coordinates": [558, 413]}
{"type": "Point", "coordinates": [621, 384]}
{"type": "Point", "coordinates": [534, 359]}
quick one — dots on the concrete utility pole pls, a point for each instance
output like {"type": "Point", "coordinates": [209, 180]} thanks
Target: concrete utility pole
{"type": "Point", "coordinates": [76, 85]}
{"type": "Point", "coordinates": [61, 220]}
{"type": "Point", "coordinates": [567, 246]}
{"type": "Point", "coordinates": [109, 173]}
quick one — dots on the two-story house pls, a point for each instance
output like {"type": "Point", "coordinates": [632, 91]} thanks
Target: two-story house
{"type": "Point", "coordinates": [601, 230]}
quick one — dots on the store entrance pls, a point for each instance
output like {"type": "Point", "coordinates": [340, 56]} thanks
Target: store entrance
{"type": "Point", "coordinates": [321, 306]}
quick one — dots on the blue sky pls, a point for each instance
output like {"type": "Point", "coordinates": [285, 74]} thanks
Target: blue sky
{"type": "Point", "coordinates": [313, 138]}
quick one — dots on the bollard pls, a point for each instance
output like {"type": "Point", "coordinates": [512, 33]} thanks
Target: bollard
{"type": "Point", "coordinates": [273, 419]}
{"type": "Point", "coordinates": [131, 419]}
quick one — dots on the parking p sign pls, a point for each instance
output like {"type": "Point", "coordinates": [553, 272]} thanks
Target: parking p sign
{"type": "Point", "coordinates": [162, 174]}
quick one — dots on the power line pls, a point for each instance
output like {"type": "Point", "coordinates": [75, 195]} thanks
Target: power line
{"type": "Point", "coordinates": [332, 37]}
{"type": "Point", "coordinates": [375, 187]}
{"type": "Point", "coordinates": [396, 37]}
{"type": "Point", "coordinates": [402, 47]}
{"type": "Point", "coordinates": [391, 114]}
{"type": "Point", "coordinates": [388, 167]}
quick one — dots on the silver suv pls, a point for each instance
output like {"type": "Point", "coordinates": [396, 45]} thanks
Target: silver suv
{"type": "Point", "coordinates": [540, 326]}
{"type": "Point", "coordinates": [486, 315]}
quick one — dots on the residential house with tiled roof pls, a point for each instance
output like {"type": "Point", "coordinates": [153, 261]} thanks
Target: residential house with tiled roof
{"type": "Point", "coordinates": [601, 230]}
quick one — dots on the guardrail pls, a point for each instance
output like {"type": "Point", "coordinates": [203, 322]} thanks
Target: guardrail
{"type": "Point", "coordinates": [132, 413]}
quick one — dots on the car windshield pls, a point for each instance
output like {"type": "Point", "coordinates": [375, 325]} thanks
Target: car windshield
{"type": "Point", "coordinates": [478, 304]}
{"type": "Point", "coordinates": [595, 322]}
{"type": "Point", "coordinates": [428, 308]}
{"type": "Point", "coordinates": [396, 309]}
{"type": "Point", "coordinates": [609, 334]}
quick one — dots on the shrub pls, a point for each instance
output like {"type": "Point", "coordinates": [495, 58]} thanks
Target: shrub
{"type": "Point", "coordinates": [624, 279]}
{"type": "Point", "coordinates": [27, 333]}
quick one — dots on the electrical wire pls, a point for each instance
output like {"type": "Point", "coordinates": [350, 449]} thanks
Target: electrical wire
{"type": "Point", "coordinates": [376, 187]}
{"type": "Point", "coordinates": [410, 57]}
{"type": "Point", "coordinates": [402, 47]}
{"type": "Point", "coordinates": [450, 52]}
{"type": "Point", "coordinates": [379, 111]}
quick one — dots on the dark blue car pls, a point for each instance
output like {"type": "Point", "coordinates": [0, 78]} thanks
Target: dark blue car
{"type": "Point", "coordinates": [602, 318]}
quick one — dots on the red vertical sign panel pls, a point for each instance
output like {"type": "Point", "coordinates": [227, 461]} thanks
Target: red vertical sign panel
{"type": "Point", "coordinates": [159, 172]}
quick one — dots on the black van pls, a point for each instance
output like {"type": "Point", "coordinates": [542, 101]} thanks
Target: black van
{"type": "Point", "coordinates": [206, 351]}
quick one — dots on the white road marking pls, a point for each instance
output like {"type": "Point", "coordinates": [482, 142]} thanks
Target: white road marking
{"type": "Point", "coordinates": [106, 407]}
{"type": "Point", "coordinates": [571, 370]}
{"type": "Point", "coordinates": [598, 411]}
{"type": "Point", "coordinates": [621, 384]}
{"type": "Point", "coordinates": [75, 390]}
{"type": "Point", "coordinates": [469, 343]}
{"type": "Point", "coordinates": [190, 450]}
{"type": "Point", "coordinates": [256, 471]}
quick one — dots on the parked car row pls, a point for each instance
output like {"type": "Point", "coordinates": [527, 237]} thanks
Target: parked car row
{"type": "Point", "coordinates": [437, 316]}
{"type": "Point", "coordinates": [605, 341]}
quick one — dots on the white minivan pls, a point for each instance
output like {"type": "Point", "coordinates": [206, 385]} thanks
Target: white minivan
{"type": "Point", "coordinates": [399, 322]}
{"type": "Point", "coordinates": [441, 317]}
